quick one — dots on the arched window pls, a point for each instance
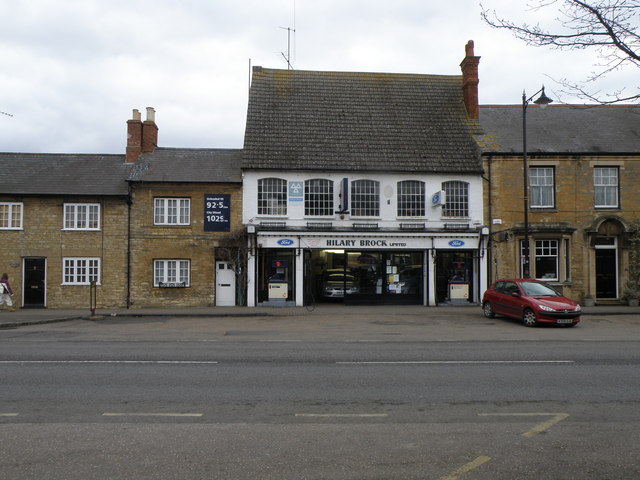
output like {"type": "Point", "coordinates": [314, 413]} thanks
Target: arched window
{"type": "Point", "coordinates": [365, 198]}
{"type": "Point", "coordinates": [318, 197]}
{"type": "Point", "coordinates": [272, 196]}
{"type": "Point", "coordinates": [411, 198]}
{"type": "Point", "coordinates": [457, 198]}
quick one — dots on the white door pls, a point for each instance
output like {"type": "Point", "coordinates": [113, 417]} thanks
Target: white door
{"type": "Point", "coordinates": [225, 285]}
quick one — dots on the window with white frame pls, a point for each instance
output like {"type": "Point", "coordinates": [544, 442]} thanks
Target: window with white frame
{"type": "Point", "coordinates": [172, 211]}
{"type": "Point", "coordinates": [80, 271]}
{"type": "Point", "coordinates": [541, 187]}
{"type": "Point", "coordinates": [411, 198]}
{"type": "Point", "coordinates": [544, 259]}
{"type": "Point", "coordinates": [457, 198]}
{"type": "Point", "coordinates": [272, 196]}
{"type": "Point", "coordinates": [605, 183]}
{"type": "Point", "coordinates": [171, 272]}
{"type": "Point", "coordinates": [11, 215]}
{"type": "Point", "coordinates": [365, 198]}
{"type": "Point", "coordinates": [318, 197]}
{"type": "Point", "coordinates": [81, 216]}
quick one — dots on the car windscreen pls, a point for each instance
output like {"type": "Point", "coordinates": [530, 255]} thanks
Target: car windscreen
{"type": "Point", "coordinates": [535, 289]}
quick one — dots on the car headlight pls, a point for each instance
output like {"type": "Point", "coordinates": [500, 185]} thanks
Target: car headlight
{"type": "Point", "coordinates": [578, 308]}
{"type": "Point", "coordinates": [545, 308]}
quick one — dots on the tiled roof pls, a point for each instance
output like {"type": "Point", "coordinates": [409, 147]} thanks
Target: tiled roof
{"type": "Point", "coordinates": [63, 174]}
{"type": "Point", "coordinates": [587, 129]}
{"type": "Point", "coordinates": [306, 120]}
{"type": "Point", "coordinates": [188, 165]}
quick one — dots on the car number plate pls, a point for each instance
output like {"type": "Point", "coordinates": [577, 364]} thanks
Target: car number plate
{"type": "Point", "coordinates": [564, 320]}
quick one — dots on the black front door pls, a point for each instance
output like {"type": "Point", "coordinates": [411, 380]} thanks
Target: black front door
{"type": "Point", "coordinates": [606, 273]}
{"type": "Point", "coordinates": [34, 286]}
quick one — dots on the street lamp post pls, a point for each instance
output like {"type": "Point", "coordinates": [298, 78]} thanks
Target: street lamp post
{"type": "Point", "coordinates": [542, 101]}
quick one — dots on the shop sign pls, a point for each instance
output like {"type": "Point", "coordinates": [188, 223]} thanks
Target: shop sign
{"type": "Point", "coordinates": [456, 243]}
{"type": "Point", "coordinates": [285, 242]}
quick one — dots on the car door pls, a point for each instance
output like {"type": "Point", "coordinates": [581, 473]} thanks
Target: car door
{"type": "Point", "coordinates": [512, 302]}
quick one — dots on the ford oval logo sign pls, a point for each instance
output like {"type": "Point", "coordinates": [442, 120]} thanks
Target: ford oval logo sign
{"type": "Point", "coordinates": [285, 242]}
{"type": "Point", "coordinates": [456, 243]}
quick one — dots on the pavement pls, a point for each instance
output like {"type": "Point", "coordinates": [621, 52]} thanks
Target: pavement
{"type": "Point", "coordinates": [34, 316]}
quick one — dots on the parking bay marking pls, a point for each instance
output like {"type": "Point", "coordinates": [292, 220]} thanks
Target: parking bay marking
{"type": "Point", "coordinates": [467, 468]}
{"type": "Point", "coordinates": [539, 428]}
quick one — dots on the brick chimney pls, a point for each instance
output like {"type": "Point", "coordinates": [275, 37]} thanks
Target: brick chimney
{"type": "Point", "coordinates": [134, 137]}
{"type": "Point", "coordinates": [470, 81]}
{"type": "Point", "coordinates": [149, 132]}
{"type": "Point", "coordinates": [141, 137]}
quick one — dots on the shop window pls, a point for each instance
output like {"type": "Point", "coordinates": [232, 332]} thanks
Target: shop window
{"type": "Point", "coordinates": [365, 198]}
{"type": "Point", "coordinates": [411, 198]}
{"type": "Point", "coordinates": [10, 216]}
{"type": "Point", "coordinates": [172, 211]}
{"type": "Point", "coordinates": [173, 273]}
{"type": "Point", "coordinates": [457, 198]}
{"type": "Point", "coordinates": [541, 187]}
{"type": "Point", "coordinates": [272, 196]}
{"type": "Point", "coordinates": [605, 183]}
{"type": "Point", "coordinates": [318, 197]}
{"type": "Point", "coordinates": [80, 271]}
{"type": "Point", "coordinates": [81, 216]}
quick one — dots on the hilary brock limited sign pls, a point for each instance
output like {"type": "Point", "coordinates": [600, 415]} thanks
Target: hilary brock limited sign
{"type": "Point", "coordinates": [370, 243]}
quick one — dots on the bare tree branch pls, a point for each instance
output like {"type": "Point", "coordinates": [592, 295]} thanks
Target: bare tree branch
{"type": "Point", "coordinates": [608, 26]}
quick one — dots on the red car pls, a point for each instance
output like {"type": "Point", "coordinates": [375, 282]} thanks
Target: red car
{"type": "Point", "coordinates": [531, 301]}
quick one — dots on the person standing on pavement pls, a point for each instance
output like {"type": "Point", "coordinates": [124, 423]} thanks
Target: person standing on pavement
{"type": "Point", "coordinates": [7, 293]}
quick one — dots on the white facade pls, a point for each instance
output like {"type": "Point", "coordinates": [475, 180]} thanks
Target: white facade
{"type": "Point", "coordinates": [431, 237]}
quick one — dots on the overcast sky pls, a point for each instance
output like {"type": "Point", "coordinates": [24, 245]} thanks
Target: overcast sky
{"type": "Point", "coordinates": [73, 70]}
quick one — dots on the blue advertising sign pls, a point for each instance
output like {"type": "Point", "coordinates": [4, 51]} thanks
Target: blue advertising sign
{"type": "Point", "coordinates": [217, 209]}
{"type": "Point", "coordinates": [456, 243]}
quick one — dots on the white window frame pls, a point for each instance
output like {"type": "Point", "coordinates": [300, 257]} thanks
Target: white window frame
{"type": "Point", "coordinates": [541, 180]}
{"type": "Point", "coordinates": [603, 188]}
{"type": "Point", "coordinates": [81, 216]}
{"type": "Point", "coordinates": [411, 199]}
{"type": "Point", "coordinates": [365, 198]}
{"type": "Point", "coordinates": [457, 199]}
{"type": "Point", "coordinates": [171, 211]}
{"type": "Point", "coordinates": [543, 248]}
{"type": "Point", "coordinates": [81, 270]}
{"type": "Point", "coordinates": [318, 197]}
{"type": "Point", "coordinates": [171, 271]}
{"type": "Point", "coordinates": [272, 197]}
{"type": "Point", "coordinates": [13, 220]}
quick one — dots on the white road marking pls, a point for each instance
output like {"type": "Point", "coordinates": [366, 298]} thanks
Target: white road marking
{"type": "Point", "coordinates": [108, 414]}
{"type": "Point", "coordinates": [343, 415]}
{"type": "Point", "coordinates": [458, 362]}
{"type": "Point", "coordinates": [133, 362]}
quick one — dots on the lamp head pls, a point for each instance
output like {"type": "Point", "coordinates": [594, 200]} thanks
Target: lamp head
{"type": "Point", "coordinates": [542, 100]}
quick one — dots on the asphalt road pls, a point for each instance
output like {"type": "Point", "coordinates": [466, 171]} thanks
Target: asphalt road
{"type": "Point", "coordinates": [80, 402]}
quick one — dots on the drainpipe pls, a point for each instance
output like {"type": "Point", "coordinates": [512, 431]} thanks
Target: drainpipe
{"type": "Point", "coordinates": [129, 203]}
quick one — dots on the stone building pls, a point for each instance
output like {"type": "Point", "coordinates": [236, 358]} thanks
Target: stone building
{"type": "Point", "coordinates": [63, 225]}
{"type": "Point", "coordinates": [148, 228]}
{"type": "Point", "coordinates": [583, 171]}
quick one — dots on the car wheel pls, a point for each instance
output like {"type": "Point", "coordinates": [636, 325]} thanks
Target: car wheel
{"type": "Point", "coordinates": [529, 318]}
{"type": "Point", "coordinates": [488, 310]}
